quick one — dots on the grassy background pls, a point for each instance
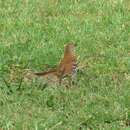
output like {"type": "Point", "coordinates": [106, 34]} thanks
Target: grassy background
{"type": "Point", "coordinates": [33, 33]}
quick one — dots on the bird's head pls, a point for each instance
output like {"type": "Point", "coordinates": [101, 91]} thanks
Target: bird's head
{"type": "Point", "coordinates": [70, 48]}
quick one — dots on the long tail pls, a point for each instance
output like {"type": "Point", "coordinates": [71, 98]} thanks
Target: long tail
{"type": "Point", "coordinates": [46, 72]}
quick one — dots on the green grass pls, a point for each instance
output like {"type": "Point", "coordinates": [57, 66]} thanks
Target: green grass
{"type": "Point", "coordinates": [33, 33]}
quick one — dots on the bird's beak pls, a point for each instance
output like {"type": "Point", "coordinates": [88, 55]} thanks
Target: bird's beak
{"type": "Point", "coordinates": [75, 44]}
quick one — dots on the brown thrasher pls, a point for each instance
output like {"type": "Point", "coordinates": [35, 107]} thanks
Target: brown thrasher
{"type": "Point", "coordinates": [66, 67]}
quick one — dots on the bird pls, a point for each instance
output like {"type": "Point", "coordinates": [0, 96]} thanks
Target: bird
{"type": "Point", "coordinates": [66, 67]}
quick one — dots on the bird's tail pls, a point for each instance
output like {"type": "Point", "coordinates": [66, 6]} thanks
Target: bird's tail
{"type": "Point", "coordinates": [46, 72]}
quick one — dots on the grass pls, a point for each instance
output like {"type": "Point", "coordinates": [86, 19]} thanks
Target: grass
{"type": "Point", "coordinates": [33, 33]}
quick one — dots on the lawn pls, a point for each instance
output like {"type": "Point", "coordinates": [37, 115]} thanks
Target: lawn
{"type": "Point", "coordinates": [33, 34]}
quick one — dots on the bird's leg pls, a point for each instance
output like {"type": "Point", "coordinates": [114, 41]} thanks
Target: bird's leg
{"type": "Point", "coordinates": [61, 76]}
{"type": "Point", "coordinates": [74, 78]}
{"type": "Point", "coordinates": [60, 80]}
{"type": "Point", "coordinates": [70, 80]}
